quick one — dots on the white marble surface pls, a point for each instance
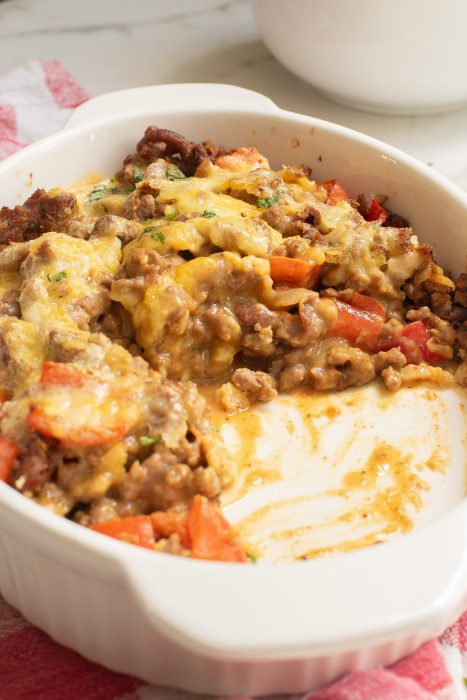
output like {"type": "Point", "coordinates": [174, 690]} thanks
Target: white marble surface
{"type": "Point", "coordinates": [113, 44]}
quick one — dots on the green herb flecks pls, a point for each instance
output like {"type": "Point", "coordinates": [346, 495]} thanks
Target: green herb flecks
{"type": "Point", "coordinates": [267, 202]}
{"type": "Point", "coordinates": [172, 216]}
{"type": "Point", "coordinates": [253, 560]}
{"type": "Point", "coordinates": [58, 277]}
{"type": "Point", "coordinates": [146, 440]}
{"type": "Point", "coordinates": [175, 175]}
{"type": "Point", "coordinates": [209, 214]}
{"type": "Point", "coordinates": [138, 175]}
{"type": "Point", "coordinates": [158, 236]}
{"type": "Point", "coordinates": [100, 192]}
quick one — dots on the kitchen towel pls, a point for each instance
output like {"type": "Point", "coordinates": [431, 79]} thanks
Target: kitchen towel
{"type": "Point", "coordinates": [36, 100]}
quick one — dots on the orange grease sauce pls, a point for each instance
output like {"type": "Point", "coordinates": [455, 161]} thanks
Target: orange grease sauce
{"type": "Point", "coordinates": [387, 484]}
{"type": "Point", "coordinates": [251, 470]}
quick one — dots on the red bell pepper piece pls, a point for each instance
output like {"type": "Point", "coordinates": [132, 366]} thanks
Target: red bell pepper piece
{"type": "Point", "coordinates": [135, 529]}
{"type": "Point", "coordinates": [210, 533]}
{"type": "Point", "coordinates": [377, 213]}
{"type": "Point", "coordinates": [359, 321]}
{"type": "Point", "coordinates": [61, 374]}
{"type": "Point", "coordinates": [8, 453]}
{"type": "Point", "coordinates": [336, 193]}
{"type": "Point", "coordinates": [412, 340]}
{"type": "Point", "coordinates": [366, 303]}
{"type": "Point", "coordinates": [413, 343]}
{"type": "Point", "coordinates": [294, 272]}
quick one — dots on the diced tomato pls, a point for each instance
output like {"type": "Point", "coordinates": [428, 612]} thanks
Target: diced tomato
{"type": "Point", "coordinates": [4, 395]}
{"type": "Point", "coordinates": [366, 303]}
{"type": "Point", "coordinates": [293, 272]}
{"type": "Point", "coordinates": [354, 324]}
{"type": "Point", "coordinates": [210, 535]}
{"type": "Point", "coordinates": [64, 375]}
{"type": "Point", "coordinates": [203, 530]}
{"type": "Point", "coordinates": [336, 193]}
{"type": "Point", "coordinates": [85, 435]}
{"type": "Point", "coordinates": [413, 343]}
{"type": "Point", "coordinates": [8, 453]}
{"type": "Point", "coordinates": [412, 340]}
{"type": "Point", "coordinates": [170, 522]}
{"type": "Point", "coordinates": [135, 529]}
{"type": "Point", "coordinates": [80, 419]}
{"type": "Point", "coordinates": [377, 212]}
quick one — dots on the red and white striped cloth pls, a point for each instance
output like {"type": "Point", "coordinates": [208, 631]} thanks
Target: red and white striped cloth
{"type": "Point", "coordinates": [35, 100]}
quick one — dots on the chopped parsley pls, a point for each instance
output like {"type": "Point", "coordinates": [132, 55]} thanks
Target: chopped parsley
{"type": "Point", "coordinates": [172, 216]}
{"type": "Point", "coordinates": [149, 228]}
{"type": "Point", "coordinates": [138, 175]}
{"type": "Point", "coordinates": [209, 214]}
{"type": "Point", "coordinates": [58, 277]}
{"type": "Point", "coordinates": [175, 175]}
{"type": "Point", "coordinates": [253, 560]}
{"type": "Point", "coordinates": [158, 236]}
{"type": "Point", "coordinates": [100, 192]}
{"type": "Point", "coordinates": [267, 202]}
{"type": "Point", "coordinates": [146, 440]}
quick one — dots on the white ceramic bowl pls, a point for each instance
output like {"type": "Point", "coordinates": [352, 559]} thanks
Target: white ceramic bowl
{"type": "Point", "coordinates": [398, 57]}
{"type": "Point", "coordinates": [224, 628]}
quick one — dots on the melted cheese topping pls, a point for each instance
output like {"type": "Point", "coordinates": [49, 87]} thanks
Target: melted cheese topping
{"type": "Point", "coordinates": [62, 273]}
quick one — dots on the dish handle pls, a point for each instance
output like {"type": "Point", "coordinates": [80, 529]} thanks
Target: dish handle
{"type": "Point", "coordinates": [405, 590]}
{"type": "Point", "coordinates": [174, 97]}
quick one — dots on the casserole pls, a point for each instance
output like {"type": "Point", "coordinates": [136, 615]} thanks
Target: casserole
{"type": "Point", "coordinates": [234, 629]}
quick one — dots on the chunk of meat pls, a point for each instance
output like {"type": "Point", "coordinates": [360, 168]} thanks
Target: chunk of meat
{"type": "Point", "coordinates": [163, 480]}
{"type": "Point", "coordinates": [42, 212]}
{"type": "Point", "coordinates": [9, 303]}
{"type": "Point", "coordinates": [343, 366]}
{"type": "Point", "coordinates": [257, 385]}
{"type": "Point", "coordinates": [441, 334]}
{"type": "Point", "coordinates": [111, 225]}
{"type": "Point", "coordinates": [251, 314]}
{"type": "Point", "coordinates": [34, 466]}
{"type": "Point", "coordinates": [175, 148]}
{"type": "Point", "coordinates": [368, 208]}
{"type": "Point", "coordinates": [302, 224]}
{"type": "Point", "coordinates": [141, 269]}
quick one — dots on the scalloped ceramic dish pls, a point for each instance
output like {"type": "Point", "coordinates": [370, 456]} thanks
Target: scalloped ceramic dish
{"type": "Point", "coordinates": [239, 629]}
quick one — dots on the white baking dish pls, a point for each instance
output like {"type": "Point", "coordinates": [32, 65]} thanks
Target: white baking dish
{"type": "Point", "coordinates": [224, 628]}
